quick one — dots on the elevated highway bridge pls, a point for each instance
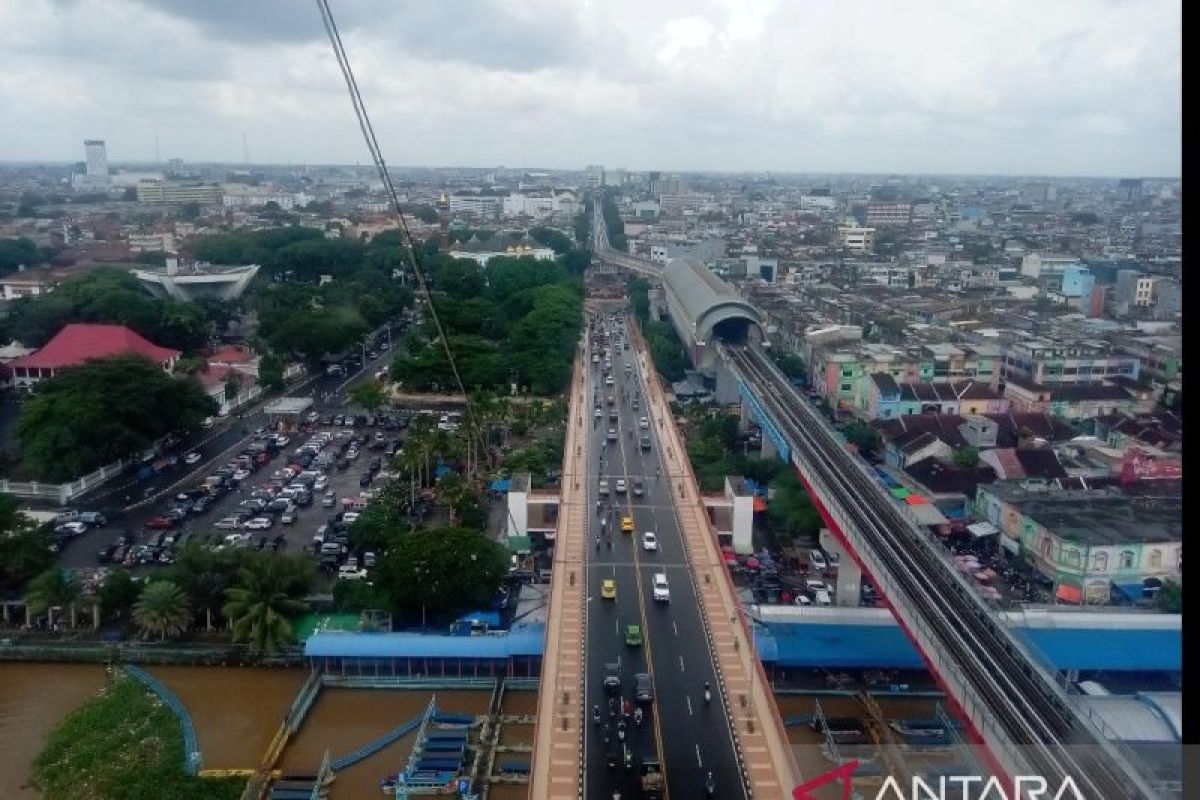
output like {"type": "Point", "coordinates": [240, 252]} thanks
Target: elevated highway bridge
{"type": "Point", "coordinates": [1012, 703]}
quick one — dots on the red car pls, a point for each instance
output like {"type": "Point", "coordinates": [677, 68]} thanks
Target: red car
{"type": "Point", "coordinates": [161, 523]}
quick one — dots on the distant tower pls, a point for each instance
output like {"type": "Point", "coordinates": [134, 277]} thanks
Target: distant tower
{"type": "Point", "coordinates": [443, 212]}
{"type": "Point", "coordinates": [97, 161]}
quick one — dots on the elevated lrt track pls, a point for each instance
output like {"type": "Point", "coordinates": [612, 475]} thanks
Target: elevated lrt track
{"type": "Point", "coordinates": [1027, 724]}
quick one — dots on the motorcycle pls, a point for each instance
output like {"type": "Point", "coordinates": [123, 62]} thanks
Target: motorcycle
{"type": "Point", "coordinates": [596, 714]}
{"type": "Point", "coordinates": [637, 716]}
{"type": "Point", "coordinates": [707, 694]}
{"type": "Point", "coordinates": [621, 730]}
{"type": "Point", "coordinates": [710, 785]}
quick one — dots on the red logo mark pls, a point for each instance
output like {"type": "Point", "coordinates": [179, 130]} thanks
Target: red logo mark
{"type": "Point", "coordinates": [844, 773]}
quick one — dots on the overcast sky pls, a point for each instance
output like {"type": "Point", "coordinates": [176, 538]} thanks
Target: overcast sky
{"type": "Point", "coordinates": [1050, 87]}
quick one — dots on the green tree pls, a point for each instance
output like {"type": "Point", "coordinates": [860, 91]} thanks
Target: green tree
{"type": "Point", "coordinates": [205, 575]}
{"type": "Point", "coordinates": [16, 253]}
{"type": "Point", "coordinates": [966, 457]}
{"type": "Point", "coordinates": [443, 572]}
{"type": "Point", "coordinates": [109, 296]}
{"type": "Point", "coordinates": [24, 546]}
{"type": "Point", "coordinates": [1169, 598]}
{"type": "Point", "coordinates": [233, 386]}
{"type": "Point", "coordinates": [269, 590]}
{"type": "Point", "coordinates": [557, 241]}
{"type": "Point", "coordinates": [54, 588]}
{"type": "Point", "coordinates": [118, 593]}
{"type": "Point", "coordinates": [162, 610]}
{"type": "Point", "coordinates": [862, 435]}
{"type": "Point", "coordinates": [104, 410]}
{"type": "Point", "coordinates": [270, 372]}
{"type": "Point", "coordinates": [368, 394]}
{"type": "Point", "coordinates": [790, 363]}
{"type": "Point", "coordinates": [791, 511]}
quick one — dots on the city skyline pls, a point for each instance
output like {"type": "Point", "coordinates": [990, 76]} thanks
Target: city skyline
{"type": "Point", "coordinates": [1091, 90]}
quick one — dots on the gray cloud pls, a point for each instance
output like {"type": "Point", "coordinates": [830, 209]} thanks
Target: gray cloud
{"type": "Point", "coordinates": [1027, 87]}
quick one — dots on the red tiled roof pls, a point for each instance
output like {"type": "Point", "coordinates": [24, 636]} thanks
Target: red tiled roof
{"type": "Point", "coordinates": [216, 374]}
{"type": "Point", "coordinates": [232, 354]}
{"type": "Point", "coordinates": [78, 342]}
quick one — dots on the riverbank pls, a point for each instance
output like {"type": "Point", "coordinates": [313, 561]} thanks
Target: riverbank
{"type": "Point", "coordinates": [124, 743]}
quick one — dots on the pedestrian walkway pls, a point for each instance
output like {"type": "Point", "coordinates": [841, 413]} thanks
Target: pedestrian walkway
{"type": "Point", "coordinates": [557, 769]}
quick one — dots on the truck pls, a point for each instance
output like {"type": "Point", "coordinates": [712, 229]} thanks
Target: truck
{"type": "Point", "coordinates": [652, 779]}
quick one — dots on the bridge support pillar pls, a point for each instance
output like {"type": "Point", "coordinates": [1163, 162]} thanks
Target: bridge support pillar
{"type": "Point", "coordinates": [768, 448]}
{"type": "Point", "coordinates": [849, 576]}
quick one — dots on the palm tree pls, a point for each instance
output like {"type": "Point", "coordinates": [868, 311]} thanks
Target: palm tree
{"type": "Point", "coordinates": [267, 593]}
{"type": "Point", "coordinates": [54, 588]}
{"type": "Point", "coordinates": [162, 609]}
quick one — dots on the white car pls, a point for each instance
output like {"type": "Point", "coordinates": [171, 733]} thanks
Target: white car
{"type": "Point", "coordinates": [191, 458]}
{"type": "Point", "coordinates": [599, 413]}
{"type": "Point", "coordinates": [234, 538]}
{"type": "Point", "coordinates": [228, 524]}
{"type": "Point", "coordinates": [817, 586]}
{"type": "Point", "coordinates": [817, 559]}
{"type": "Point", "coordinates": [349, 573]}
{"type": "Point", "coordinates": [259, 524]}
{"type": "Point", "coordinates": [321, 483]}
{"type": "Point", "coordinates": [649, 541]}
{"type": "Point", "coordinates": [643, 423]}
{"type": "Point", "coordinates": [620, 486]}
{"type": "Point", "coordinates": [349, 517]}
{"type": "Point", "coordinates": [71, 529]}
{"type": "Point", "coordinates": [609, 381]}
{"type": "Point", "coordinates": [662, 591]}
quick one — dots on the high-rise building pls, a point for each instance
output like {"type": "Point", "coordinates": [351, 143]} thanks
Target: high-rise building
{"type": "Point", "coordinates": [95, 168]}
{"type": "Point", "coordinates": [97, 160]}
{"type": "Point", "coordinates": [595, 175]}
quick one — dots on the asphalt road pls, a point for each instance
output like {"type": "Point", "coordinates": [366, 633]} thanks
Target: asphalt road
{"type": "Point", "coordinates": [693, 738]}
{"type": "Point", "coordinates": [216, 448]}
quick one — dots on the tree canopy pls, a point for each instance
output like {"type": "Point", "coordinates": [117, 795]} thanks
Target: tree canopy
{"type": "Point", "coordinates": [518, 320]}
{"type": "Point", "coordinates": [17, 252]}
{"type": "Point", "coordinates": [103, 410]}
{"type": "Point", "coordinates": [110, 296]}
{"type": "Point", "coordinates": [445, 570]}
{"type": "Point", "coordinates": [24, 546]}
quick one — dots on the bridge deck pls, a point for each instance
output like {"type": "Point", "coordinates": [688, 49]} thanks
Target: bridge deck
{"type": "Point", "coordinates": [767, 760]}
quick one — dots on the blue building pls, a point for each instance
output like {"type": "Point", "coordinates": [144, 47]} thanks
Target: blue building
{"type": "Point", "coordinates": [1078, 281]}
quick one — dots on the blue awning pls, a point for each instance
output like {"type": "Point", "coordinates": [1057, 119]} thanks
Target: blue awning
{"type": "Point", "coordinates": [1134, 591]}
{"type": "Point", "coordinates": [500, 485]}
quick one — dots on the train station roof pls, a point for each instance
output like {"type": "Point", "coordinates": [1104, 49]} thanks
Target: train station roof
{"type": "Point", "coordinates": [870, 637]}
{"type": "Point", "coordinates": [523, 640]}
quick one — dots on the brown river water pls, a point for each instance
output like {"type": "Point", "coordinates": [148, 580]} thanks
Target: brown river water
{"type": "Point", "coordinates": [236, 711]}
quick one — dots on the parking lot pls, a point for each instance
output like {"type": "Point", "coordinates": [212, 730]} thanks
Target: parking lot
{"type": "Point", "coordinates": [276, 493]}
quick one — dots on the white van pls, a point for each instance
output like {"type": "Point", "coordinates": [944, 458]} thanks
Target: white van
{"type": "Point", "coordinates": [823, 598]}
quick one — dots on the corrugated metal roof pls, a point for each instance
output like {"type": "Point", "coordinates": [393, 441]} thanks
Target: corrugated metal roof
{"type": "Point", "coordinates": [526, 640]}
{"type": "Point", "coordinates": [700, 292]}
{"type": "Point", "coordinates": [847, 637]}
{"type": "Point", "coordinates": [1131, 719]}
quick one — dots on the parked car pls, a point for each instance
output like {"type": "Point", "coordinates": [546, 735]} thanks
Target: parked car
{"type": "Point", "coordinates": [71, 529]}
{"type": "Point", "coordinates": [161, 522]}
{"type": "Point", "coordinates": [192, 458]}
{"type": "Point", "coordinates": [228, 524]}
{"type": "Point", "coordinates": [329, 500]}
{"type": "Point", "coordinates": [259, 524]}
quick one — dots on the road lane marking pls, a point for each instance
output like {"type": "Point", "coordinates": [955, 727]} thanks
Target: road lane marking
{"type": "Point", "coordinates": [691, 713]}
{"type": "Point", "coordinates": [681, 669]}
{"type": "Point", "coordinates": [699, 760]}
{"type": "Point", "coordinates": [674, 627]}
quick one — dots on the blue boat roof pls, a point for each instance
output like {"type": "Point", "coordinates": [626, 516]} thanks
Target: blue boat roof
{"type": "Point", "coordinates": [524, 640]}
